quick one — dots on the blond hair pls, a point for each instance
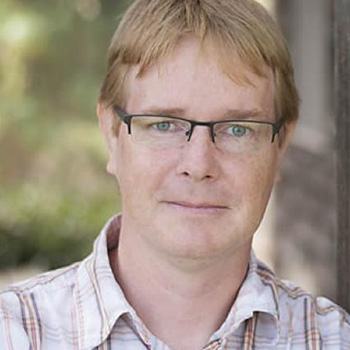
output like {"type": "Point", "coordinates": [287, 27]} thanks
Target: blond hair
{"type": "Point", "coordinates": [150, 29]}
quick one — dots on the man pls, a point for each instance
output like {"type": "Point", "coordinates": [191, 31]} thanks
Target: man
{"type": "Point", "coordinates": [197, 110]}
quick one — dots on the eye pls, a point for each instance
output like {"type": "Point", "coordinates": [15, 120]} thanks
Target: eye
{"type": "Point", "coordinates": [238, 130]}
{"type": "Point", "coordinates": [163, 126]}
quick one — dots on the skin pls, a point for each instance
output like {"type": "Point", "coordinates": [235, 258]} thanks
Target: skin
{"type": "Point", "coordinates": [189, 214]}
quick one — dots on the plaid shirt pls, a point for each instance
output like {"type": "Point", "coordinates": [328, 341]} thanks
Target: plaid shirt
{"type": "Point", "coordinates": [81, 307]}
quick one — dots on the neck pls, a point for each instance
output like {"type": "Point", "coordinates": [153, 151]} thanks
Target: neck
{"type": "Point", "coordinates": [183, 302]}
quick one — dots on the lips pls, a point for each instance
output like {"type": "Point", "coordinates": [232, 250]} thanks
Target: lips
{"type": "Point", "coordinates": [197, 206]}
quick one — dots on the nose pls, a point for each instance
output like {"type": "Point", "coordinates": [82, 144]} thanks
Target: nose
{"type": "Point", "coordinates": [199, 157]}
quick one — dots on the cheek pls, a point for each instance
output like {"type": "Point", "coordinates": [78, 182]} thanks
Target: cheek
{"type": "Point", "coordinates": [141, 172]}
{"type": "Point", "coordinates": [256, 177]}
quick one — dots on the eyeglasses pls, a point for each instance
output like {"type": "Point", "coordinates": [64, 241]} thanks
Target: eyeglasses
{"type": "Point", "coordinates": [233, 136]}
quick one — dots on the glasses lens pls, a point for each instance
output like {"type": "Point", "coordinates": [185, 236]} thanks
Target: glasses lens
{"type": "Point", "coordinates": [158, 131]}
{"type": "Point", "coordinates": [242, 137]}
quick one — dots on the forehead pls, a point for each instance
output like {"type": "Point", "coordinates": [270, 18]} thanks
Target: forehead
{"type": "Point", "coordinates": [191, 80]}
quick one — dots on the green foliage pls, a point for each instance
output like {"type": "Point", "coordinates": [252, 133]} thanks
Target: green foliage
{"type": "Point", "coordinates": [48, 228]}
{"type": "Point", "coordinates": [54, 192]}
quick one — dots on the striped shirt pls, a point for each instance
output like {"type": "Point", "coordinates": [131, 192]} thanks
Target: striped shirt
{"type": "Point", "coordinates": [82, 307]}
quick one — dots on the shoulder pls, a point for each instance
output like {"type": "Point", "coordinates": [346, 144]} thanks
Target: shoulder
{"type": "Point", "coordinates": [50, 285]}
{"type": "Point", "coordinates": [304, 317]}
{"type": "Point", "coordinates": [43, 283]}
{"type": "Point", "coordinates": [27, 305]}
{"type": "Point", "coordinates": [316, 318]}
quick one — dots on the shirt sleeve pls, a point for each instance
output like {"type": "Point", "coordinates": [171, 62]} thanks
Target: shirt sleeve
{"type": "Point", "coordinates": [334, 325]}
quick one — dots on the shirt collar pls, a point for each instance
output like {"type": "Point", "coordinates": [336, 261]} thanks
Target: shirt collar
{"type": "Point", "coordinates": [99, 298]}
{"type": "Point", "coordinates": [258, 294]}
{"type": "Point", "coordinates": [101, 302]}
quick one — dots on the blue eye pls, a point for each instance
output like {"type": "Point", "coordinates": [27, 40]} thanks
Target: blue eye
{"type": "Point", "coordinates": [163, 126]}
{"type": "Point", "coordinates": [238, 130]}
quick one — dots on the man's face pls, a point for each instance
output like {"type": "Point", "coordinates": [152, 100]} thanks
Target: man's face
{"type": "Point", "coordinates": [194, 201]}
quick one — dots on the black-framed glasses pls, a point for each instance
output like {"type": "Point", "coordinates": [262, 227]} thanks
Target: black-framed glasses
{"type": "Point", "coordinates": [233, 136]}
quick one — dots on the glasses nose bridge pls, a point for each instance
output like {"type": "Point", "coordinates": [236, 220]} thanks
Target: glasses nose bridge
{"type": "Point", "coordinates": [209, 125]}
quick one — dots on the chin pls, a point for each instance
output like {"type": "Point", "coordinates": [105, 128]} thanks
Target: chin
{"type": "Point", "coordinates": [198, 239]}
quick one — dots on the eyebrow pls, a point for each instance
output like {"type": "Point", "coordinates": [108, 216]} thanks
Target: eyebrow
{"type": "Point", "coordinates": [231, 114]}
{"type": "Point", "coordinates": [253, 114]}
{"type": "Point", "coordinates": [164, 111]}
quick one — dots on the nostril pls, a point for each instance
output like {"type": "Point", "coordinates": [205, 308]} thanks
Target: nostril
{"type": "Point", "coordinates": [189, 174]}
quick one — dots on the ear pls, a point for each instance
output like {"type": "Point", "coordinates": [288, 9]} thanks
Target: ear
{"type": "Point", "coordinates": [105, 118]}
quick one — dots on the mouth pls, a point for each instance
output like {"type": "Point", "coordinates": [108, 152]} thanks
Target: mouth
{"type": "Point", "coordinates": [197, 208]}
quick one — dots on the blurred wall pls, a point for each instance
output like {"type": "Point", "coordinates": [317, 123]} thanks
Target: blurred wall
{"type": "Point", "coordinates": [306, 197]}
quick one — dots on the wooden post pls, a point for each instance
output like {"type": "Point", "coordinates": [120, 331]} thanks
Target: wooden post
{"type": "Point", "coordinates": [342, 99]}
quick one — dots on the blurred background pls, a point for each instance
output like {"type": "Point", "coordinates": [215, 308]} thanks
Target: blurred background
{"type": "Point", "coordinates": [55, 194]}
